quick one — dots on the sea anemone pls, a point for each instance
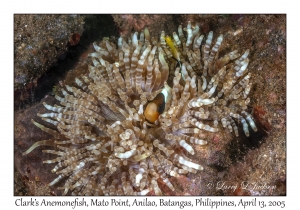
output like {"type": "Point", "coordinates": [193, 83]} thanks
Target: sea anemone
{"type": "Point", "coordinates": [131, 121]}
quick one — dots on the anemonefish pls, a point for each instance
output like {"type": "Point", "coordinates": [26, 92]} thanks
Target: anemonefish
{"type": "Point", "coordinates": [174, 51]}
{"type": "Point", "coordinates": [155, 108]}
{"type": "Point", "coordinates": [158, 105]}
